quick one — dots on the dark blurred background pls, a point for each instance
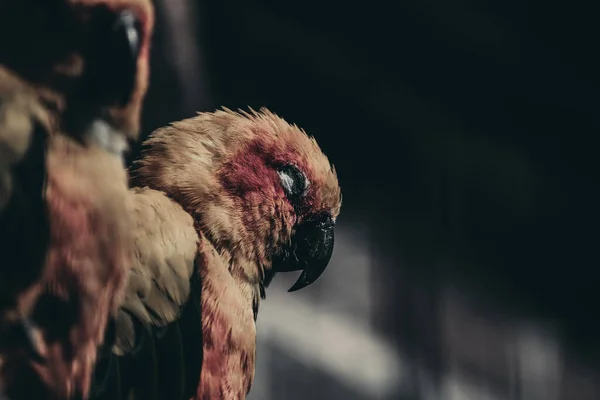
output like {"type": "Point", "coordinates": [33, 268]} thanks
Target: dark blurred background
{"type": "Point", "coordinates": [463, 133]}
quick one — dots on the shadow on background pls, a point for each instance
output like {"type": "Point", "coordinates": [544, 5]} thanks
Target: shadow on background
{"type": "Point", "coordinates": [463, 135]}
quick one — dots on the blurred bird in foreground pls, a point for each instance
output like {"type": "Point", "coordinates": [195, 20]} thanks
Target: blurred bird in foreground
{"type": "Point", "coordinates": [222, 203]}
{"type": "Point", "coordinates": [73, 74]}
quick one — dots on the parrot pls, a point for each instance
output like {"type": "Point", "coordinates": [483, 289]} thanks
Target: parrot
{"type": "Point", "coordinates": [73, 75]}
{"type": "Point", "coordinates": [223, 201]}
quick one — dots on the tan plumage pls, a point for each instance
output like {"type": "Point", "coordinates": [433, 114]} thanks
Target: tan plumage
{"type": "Point", "coordinates": [82, 263]}
{"type": "Point", "coordinates": [209, 217]}
{"type": "Point", "coordinates": [65, 226]}
{"type": "Point", "coordinates": [221, 168]}
{"type": "Point", "coordinates": [151, 326]}
{"type": "Point", "coordinates": [18, 112]}
{"type": "Point", "coordinates": [86, 261]}
{"type": "Point", "coordinates": [158, 284]}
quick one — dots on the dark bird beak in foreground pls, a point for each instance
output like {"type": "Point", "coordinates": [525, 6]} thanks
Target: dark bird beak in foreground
{"type": "Point", "coordinates": [311, 250]}
{"type": "Point", "coordinates": [114, 61]}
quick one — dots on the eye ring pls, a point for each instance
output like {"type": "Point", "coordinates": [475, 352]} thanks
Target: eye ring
{"type": "Point", "coordinates": [293, 181]}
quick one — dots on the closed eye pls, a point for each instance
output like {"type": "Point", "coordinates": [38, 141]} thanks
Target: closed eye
{"type": "Point", "coordinates": [293, 181]}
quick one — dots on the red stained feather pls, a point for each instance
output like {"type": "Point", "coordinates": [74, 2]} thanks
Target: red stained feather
{"type": "Point", "coordinates": [253, 170]}
{"type": "Point", "coordinates": [86, 265]}
{"type": "Point", "coordinates": [228, 331]}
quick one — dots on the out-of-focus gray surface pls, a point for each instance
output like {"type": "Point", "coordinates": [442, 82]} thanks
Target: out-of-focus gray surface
{"type": "Point", "coordinates": [321, 338]}
{"type": "Point", "coordinates": [319, 344]}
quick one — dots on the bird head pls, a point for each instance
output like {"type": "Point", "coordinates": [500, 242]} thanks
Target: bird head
{"type": "Point", "coordinates": [87, 60]}
{"type": "Point", "coordinates": [260, 190]}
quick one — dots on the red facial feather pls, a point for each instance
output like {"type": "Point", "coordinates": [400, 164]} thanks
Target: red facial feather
{"type": "Point", "coordinates": [254, 170]}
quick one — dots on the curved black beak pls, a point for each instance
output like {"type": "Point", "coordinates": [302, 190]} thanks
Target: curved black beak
{"type": "Point", "coordinates": [110, 77]}
{"type": "Point", "coordinates": [127, 42]}
{"type": "Point", "coordinates": [114, 56]}
{"type": "Point", "coordinates": [311, 250]}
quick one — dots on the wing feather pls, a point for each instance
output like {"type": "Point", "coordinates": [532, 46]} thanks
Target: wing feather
{"type": "Point", "coordinates": [154, 350]}
{"type": "Point", "coordinates": [166, 247]}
